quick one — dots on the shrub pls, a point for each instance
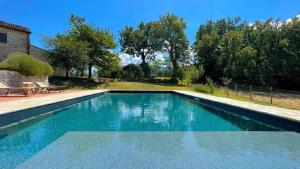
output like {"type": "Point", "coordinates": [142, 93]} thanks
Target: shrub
{"type": "Point", "coordinates": [226, 81]}
{"type": "Point", "coordinates": [211, 84]}
{"type": "Point", "coordinates": [202, 88]}
{"type": "Point", "coordinates": [192, 74]}
{"type": "Point", "coordinates": [26, 65]}
{"type": "Point", "coordinates": [131, 71]}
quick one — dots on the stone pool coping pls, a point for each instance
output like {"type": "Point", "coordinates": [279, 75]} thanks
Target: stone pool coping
{"type": "Point", "coordinates": [289, 114]}
{"type": "Point", "coordinates": [11, 107]}
{"type": "Point", "coordinates": [28, 103]}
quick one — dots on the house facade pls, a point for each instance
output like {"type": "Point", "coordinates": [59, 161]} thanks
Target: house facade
{"type": "Point", "coordinates": [16, 38]}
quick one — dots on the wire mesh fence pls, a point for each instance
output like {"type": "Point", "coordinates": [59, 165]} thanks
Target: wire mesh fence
{"type": "Point", "coordinates": [283, 98]}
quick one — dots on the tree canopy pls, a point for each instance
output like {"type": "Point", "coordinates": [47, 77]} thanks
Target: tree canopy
{"type": "Point", "coordinates": [82, 46]}
{"type": "Point", "coordinates": [68, 53]}
{"type": "Point", "coordinates": [142, 42]}
{"type": "Point", "coordinates": [262, 53]}
{"type": "Point", "coordinates": [100, 41]}
{"type": "Point", "coordinates": [265, 53]}
{"type": "Point", "coordinates": [175, 40]}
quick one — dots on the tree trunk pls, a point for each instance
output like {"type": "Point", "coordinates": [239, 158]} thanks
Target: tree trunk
{"type": "Point", "coordinates": [174, 65]}
{"type": "Point", "coordinates": [143, 59]}
{"type": "Point", "coordinates": [172, 53]}
{"type": "Point", "coordinates": [67, 73]}
{"type": "Point", "coordinates": [90, 71]}
{"type": "Point", "coordinates": [145, 71]}
{"type": "Point", "coordinates": [174, 70]}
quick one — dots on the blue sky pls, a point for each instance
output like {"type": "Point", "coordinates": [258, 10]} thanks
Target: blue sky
{"type": "Point", "coordinates": [46, 17]}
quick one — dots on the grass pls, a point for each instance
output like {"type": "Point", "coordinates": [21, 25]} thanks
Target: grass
{"type": "Point", "coordinates": [82, 84]}
{"type": "Point", "coordinates": [140, 86]}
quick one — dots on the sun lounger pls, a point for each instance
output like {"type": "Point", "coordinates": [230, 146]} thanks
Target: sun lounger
{"type": "Point", "coordinates": [25, 89]}
{"type": "Point", "coordinates": [47, 88]}
{"type": "Point", "coordinates": [4, 87]}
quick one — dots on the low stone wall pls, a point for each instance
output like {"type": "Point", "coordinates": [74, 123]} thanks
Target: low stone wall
{"type": "Point", "coordinates": [13, 78]}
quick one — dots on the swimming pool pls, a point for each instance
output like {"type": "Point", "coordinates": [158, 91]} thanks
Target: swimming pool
{"type": "Point", "coordinates": [152, 121]}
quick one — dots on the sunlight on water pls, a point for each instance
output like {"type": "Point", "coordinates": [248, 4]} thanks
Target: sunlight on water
{"type": "Point", "coordinates": [117, 112]}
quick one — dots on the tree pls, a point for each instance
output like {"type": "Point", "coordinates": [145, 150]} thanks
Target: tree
{"type": "Point", "coordinates": [131, 71]}
{"type": "Point", "coordinates": [231, 44]}
{"type": "Point", "coordinates": [246, 65]}
{"type": "Point", "coordinates": [175, 40]}
{"type": "Point", "coordinates": [100, 42]}
{"type": "Point", "coordinates": [114, 68]}
{"type": "Point", "coordinates": [142, 42]}
{"type": "Point", "coordinates": [207, 51]}
{"type": "Point", "coordinates": [264, 53]}
{"type": "Point", "coordinates": [67, 53]}
{"type": "Point", "coordinates": [156, 67]}
{"type": "Point", "coordinates": [192, 74]}
{"type": "Point", "coordinates": [290, 46]}
{"type": "Point", "coordinates": [207, 44]}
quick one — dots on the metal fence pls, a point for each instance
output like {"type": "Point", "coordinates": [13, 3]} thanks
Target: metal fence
{"type": "Point", "coordinates": [284, 98]}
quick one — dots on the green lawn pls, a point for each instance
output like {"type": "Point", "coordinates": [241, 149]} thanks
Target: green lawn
{"type": "Point", "coordinates": [82, 84]}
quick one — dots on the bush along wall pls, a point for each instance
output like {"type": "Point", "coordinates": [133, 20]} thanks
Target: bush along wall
{"type": "Point", "coordinates": [26, 65]}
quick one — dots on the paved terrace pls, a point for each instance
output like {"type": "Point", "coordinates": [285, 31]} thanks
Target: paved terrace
{"type": "Point", "coordinates": [30, 102]}
{"type": "Point", "coordinates": [41, 100]}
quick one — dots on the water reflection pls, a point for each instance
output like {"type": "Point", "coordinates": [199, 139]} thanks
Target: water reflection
{"type": "Point", "coordinates": [117, 112]}
{"type": "Point", "coordinates": [170, 150]}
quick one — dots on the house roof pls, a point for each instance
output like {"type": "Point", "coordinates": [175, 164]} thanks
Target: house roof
{"type": "Point", "coordinates": [14, 27]}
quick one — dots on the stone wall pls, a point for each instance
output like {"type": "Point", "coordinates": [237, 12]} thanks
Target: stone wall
{"type": "Point", "coordinates": [39, 53]}
{"type": "Point", "coordinates": [13, 78]}
{"type": "Point", "coordinates": [16, 42]}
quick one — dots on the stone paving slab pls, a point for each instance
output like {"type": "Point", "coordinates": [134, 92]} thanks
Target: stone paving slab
{"type": "Point", "coordinates": [17, 105]}
{"type": "Point", "coordinates": [272, 110]}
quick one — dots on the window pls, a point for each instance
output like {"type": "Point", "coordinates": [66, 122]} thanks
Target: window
{"type": "Point", "coordinates": [3, 37]}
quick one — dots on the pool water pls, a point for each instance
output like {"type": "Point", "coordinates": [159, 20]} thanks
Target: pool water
{"type": "Point", "coordinates": [129, 112]}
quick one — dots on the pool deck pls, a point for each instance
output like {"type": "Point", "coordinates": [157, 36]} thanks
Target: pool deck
{"type": "Point", "coordinates": [31, 102]}
{"type": "Point", "coordinates": [28, 102]}
{"type": "Point", "coordinates": [272, 110]}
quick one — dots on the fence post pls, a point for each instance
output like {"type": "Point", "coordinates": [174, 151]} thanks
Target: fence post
{"type": "Point", "coordinates": [250, 92]}
{"type": "Point", "coordinates": [235, 88]}
{"type": "Point", "coordinates": [271, 95]}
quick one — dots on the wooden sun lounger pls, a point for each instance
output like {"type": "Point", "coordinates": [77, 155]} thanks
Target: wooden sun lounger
{"type": "Point", "coordinates": [24, 89]}
{"type": "Point", "coordinates": [4, 87]}
{"type": "Point", "coordinates": [47, 88]}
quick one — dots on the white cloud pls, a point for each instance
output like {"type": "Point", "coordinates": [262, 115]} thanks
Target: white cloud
{"type": "Point", "coordinates": [288, 20]}
{"type": "Point", "coordinates": [161, 56]}
{"type": "Point", "coordinates": [127, 59]}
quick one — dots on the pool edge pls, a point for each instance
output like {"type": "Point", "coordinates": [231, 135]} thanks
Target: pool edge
{"type": "Point", "coordinates": [266, 117]}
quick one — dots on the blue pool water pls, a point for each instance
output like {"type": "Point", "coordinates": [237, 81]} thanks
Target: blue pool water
{"type": "Point", "coordinates": [118, 113]}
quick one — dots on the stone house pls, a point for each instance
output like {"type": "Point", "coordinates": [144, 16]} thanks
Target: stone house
{"type": "Point", "coordinates": [16, 38]}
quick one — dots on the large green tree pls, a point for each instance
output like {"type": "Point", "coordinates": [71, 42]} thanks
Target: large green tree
{"type": "Point", "coordinates": [68, 53]}
{"type": "Point", "coordinates": [207, 45]}
{"type": "Point", "coordinates": [231, 45]}
{"type": "Point", "coordinates": [100, 41]}
{"type": "Point", "coordinates": [142, 42]}
{"type": "Point", "coordinates": [262, 53]}
{"type": "Point", "coordinates": [175, 40]}
{"type": "Point", "coordinates": [290, 43]}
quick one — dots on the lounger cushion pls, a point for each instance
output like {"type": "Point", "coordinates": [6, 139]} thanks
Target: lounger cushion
{"type": "Point", "coordinates": [3, 86]}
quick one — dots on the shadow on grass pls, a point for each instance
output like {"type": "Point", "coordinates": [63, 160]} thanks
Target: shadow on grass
{"type": "Point", "coordinates": [154, 81]}
{"type": "Point", "coordinates": [85, 83]}
{"type": "Point", "coordinates": [74, 82]}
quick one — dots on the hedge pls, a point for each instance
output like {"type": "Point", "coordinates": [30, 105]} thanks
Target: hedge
{"type": "Point", "coordinates": [26, 65]}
